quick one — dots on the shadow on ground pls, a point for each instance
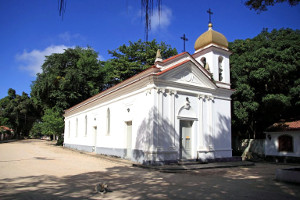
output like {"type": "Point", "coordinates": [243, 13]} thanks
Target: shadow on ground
{"type": "Point", "coordinates": [134, 183]}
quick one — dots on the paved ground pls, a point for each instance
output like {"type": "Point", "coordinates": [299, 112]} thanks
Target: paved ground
{"type": "Point", "coordinates": [34, 169]}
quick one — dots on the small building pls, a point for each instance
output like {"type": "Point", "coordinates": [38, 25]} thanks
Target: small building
{"type": "Point", "coordinates": [6, 133]}
{"type": "Point", "coordinates": [180, 108]}
{"type": "Point", "coordinates": [283, 140]}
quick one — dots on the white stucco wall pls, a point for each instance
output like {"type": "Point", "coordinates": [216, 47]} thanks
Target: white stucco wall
{"type": "Point", "coordinates": [137, 103]}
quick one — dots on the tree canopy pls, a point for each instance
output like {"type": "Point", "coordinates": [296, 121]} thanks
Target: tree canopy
{"type": "Point", "coordinates": [261, 5]}
{"type": "Point", "coordinates": [146, 8]}
{"type": "Point", "coordinates": [128, 60]}
{"type": "Point", "coordinates": [265, 72]}
{"type": "Point", "coordinates": [17, 112]}
{"type": "Point", "coordinates": [68, 78]}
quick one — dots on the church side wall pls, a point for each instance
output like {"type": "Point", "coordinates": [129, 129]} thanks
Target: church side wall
{"type": "Point", "coordinates": [111, 137]}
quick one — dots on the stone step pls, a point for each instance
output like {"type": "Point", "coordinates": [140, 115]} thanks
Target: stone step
{"type": "Point", "coordinates": [190, 162]}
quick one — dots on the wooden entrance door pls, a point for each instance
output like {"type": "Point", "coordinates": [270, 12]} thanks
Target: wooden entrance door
{"type": "Point", "coordinates": [185, 148]}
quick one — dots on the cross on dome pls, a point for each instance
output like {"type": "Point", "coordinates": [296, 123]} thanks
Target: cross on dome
{"type": "Point", "coordinates": [209, 14]}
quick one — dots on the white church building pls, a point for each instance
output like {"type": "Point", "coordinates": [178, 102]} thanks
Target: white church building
{"type": "Point", "coordinates": [178, 109]}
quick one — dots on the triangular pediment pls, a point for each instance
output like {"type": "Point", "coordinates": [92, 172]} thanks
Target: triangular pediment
{"type": "Point", "coordinates": [188, 74]}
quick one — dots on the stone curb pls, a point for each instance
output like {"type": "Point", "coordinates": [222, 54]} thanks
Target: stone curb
{"type": "Point", "coordinates": [184, 168]}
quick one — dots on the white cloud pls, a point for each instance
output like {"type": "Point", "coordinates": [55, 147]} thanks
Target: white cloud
{"type": "Point", "coordinates": [32, 61]}
{"type": "Point", "coordinates": [162, 21]}
{"type": "Point", "coordinates": [67, 37]}
{"type": "Point", "coordinates": [100, 57]}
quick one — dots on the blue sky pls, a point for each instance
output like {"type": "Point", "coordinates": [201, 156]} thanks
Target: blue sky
{"type": "Point", "coordinates": [31, 29]}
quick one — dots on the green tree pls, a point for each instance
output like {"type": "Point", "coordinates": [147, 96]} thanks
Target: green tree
{"type": "Point", "coordinates": [52, 124]}
{"type": "Point", "coordinates": [17, 112]}
{"type": "Point", "coordinates": [68, 78]}
{"type": "Point", "coordinates": [261, 5]}
{"type": "Point", "coordinates": [128, 60]}
{"type": "Point", "coordinates": [36, 130]}
{"type": "Point", "coordinates": [265, 72]}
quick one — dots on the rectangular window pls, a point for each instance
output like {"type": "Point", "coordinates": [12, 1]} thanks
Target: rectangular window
{"type": "Point", "coordinates": [285, 143]}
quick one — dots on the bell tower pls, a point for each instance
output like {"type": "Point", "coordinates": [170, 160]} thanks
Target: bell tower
{"type": "Point", "coordinates": [211, 51]}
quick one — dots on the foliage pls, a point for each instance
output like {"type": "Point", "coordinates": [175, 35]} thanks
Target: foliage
{"type": "Point", "coordinates": [67, 79]}
{"type": "Point", "coordinates": [52, 123]}
{"type": "Point", "coordinates": [17, 112]}
{"type": "Point", "coordinates": [261, 5]}
{"type": "Point", "coordinates": [36, 130]}
{"type": "Point", "coordinates": [129, 60]}
{"type": "Point", "coordinates": [146, 8]}
{"type": "Point", "coordinates": [265, 72]}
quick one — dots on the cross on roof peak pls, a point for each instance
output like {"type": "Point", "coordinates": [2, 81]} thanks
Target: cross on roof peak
{"type": "Point", "coordinates": [184, 39]}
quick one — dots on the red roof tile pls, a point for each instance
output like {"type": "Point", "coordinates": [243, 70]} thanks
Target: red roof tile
{"type": "Point", "coordinates": [170, 68]}
{"type": "Point", "coordinates": [285, 126]}
{"type": "Point", "coordinates": [5, 128]}
{"type": "Point", "coordinates": [293, 125]}
{"type": "Point", "coordinates": [173, 57]}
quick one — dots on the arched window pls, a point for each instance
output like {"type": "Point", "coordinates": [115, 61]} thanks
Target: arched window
{"type": "Point", "coordinates": [220, 60]}
{"type": "Point", "coordinates": [69, 128]}
{"type": "Point", "coordinates": [85, 126]}
{"type": "Point", "coordinates": [76, 127]}
{"type": "Point", "coordinates": [285, 143]}
{"type": "Point", "coordinates": [204, 63]}
{"type": "Point", "coordinates": [108, 121]}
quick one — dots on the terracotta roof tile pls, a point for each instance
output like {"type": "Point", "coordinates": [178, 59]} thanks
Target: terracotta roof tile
{"type": "Point", "coordinates": [293, 125]}
{"type": "Point", "coordinates": [285, 126]}
{"type": "Point", "coordinates": [5, 128]}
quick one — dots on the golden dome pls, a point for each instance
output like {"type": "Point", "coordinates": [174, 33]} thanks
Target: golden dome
{"type": "Point", "coordinates": [210, 37]}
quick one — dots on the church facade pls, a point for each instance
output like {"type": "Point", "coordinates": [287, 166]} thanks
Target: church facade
{"type": "Point", "coordinates": [180, 108]}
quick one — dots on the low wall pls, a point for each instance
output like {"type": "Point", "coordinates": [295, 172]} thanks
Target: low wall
{"type": "Point", "coordinates": [250, 148]}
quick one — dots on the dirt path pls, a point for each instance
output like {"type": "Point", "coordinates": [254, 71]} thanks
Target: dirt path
{"type": "Point", "coordinates": [34, 169]}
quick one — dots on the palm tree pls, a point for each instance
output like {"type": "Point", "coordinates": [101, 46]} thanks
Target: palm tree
{"type": "Point", "coordinates": [146, 6]}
